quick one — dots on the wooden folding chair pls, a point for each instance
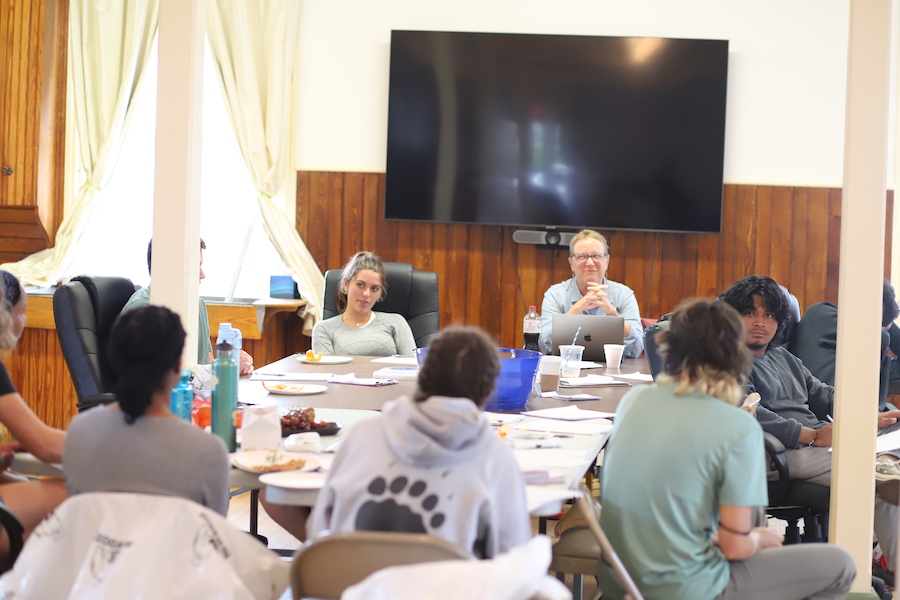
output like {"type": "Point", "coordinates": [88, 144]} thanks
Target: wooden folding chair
{"type": "Point", "coordinates": [325, 567]}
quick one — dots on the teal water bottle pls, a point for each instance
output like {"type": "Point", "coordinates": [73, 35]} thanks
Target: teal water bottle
{"type": "Point", "coordinates": [182, 401]}
{"type": "Point", "coordinates": [224, 395]}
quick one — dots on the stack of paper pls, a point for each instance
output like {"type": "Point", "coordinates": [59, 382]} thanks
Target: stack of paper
{"type": "Point", "coordinates": [590, 381]}
{"type": "Point", "coordinates": [259, 376]}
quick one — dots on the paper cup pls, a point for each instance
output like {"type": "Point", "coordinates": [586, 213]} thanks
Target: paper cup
{"type": "Point", "coordinates": [548, 373]}
{"type": "Point", "coordinates": [613, 354]}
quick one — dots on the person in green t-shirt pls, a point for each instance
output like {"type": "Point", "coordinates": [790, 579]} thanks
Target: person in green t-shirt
{"type": "Point", "coordinates": [684, 479]}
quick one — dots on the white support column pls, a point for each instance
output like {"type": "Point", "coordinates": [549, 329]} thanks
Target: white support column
{"type": "Point", "coordinates": [176, 207]}
{"type": "Point", "coordinates": [861, 274]}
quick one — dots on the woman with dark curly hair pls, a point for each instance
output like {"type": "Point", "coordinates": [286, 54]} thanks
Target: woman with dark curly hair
{"type": "Point", "coordinates": [136, 444]}
{"type": "Point", "coordinates": [432, 464]}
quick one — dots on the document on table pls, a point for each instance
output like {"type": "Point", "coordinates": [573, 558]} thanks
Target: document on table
{"type": "Point", "coordinates": [887, 442]}
{"type": "Point", "coordinates": [570, 397]}
{"type": "Point", "coordinates": [352, 379]}
{"type": "Point", "coordinates": [258, 376]}
{"type": "Point", "coordinates": [641, 377]}
{"type": "Point", "coordinates": [502, 418]}
{"type": "Point", "coordinates": [568, 413]}
{"type": "Point", "coordinates": [590, 380]}
{"type": "Point", "coordinates": [397, 359]}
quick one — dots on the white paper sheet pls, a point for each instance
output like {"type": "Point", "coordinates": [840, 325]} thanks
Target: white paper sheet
{"type": "Point", "coordinates": [887, 442]}
{"type": "Point", "coordinates": [397, 359]}
{"type": "Point", "coordinates": [259, 376]}
{"type": "Point", "coordinates": [567, 413]}
{"type": "Point", "coordinates": [502, 418]}
{"type": "Point", "coordinates": [590, 380]}
{"type": "Point", "coordinates": [643, 377]}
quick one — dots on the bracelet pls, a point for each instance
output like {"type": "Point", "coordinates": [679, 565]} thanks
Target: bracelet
{"type": "Point", "coordinates": [735, 531]}
{"type": "Point", "coordinates": [812, 442]}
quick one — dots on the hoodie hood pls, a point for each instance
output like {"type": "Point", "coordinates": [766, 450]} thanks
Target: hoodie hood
{"type": "Point", "coordinates": [438, 432]}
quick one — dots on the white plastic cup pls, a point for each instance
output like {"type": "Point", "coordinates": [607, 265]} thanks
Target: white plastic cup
{"type": "Point", "coordinates": [571, 360]}
{"type": "Point", "coordinates": [548, 373]}
{"type": "Point", "coordinates": [613, 354]}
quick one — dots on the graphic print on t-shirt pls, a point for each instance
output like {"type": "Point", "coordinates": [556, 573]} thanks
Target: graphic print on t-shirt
{"type": "Point", "coordinates": [402, 509]}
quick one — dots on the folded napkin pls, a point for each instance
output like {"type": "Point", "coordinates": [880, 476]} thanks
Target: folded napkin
{"type": "Point", "coordinates": [308, 441]}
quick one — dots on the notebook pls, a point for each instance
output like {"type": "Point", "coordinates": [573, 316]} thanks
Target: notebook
{"type": "Point", "coordinates": [596, 330]}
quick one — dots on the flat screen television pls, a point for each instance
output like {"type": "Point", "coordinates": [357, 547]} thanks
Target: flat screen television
{"type": "Point", "coordinates": [558, 131]}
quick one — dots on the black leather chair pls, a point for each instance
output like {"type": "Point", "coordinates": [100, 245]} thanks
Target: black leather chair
{"type": "Point", "coordinates": [85, 310]}
{"type": "Point", "coordinates": [411, 293]}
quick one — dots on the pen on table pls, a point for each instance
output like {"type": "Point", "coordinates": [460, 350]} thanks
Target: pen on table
{"type": "Point", "coordinates": [270, 374]}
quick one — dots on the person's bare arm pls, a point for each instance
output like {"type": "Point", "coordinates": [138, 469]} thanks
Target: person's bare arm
{"type": "Point", "coordinates": [739, 541]}
{"type": "Point", "coordinates": [33, 435]}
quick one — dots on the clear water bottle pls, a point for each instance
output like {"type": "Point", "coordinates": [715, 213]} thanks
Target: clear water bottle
{"type": "Point", "coordinates": [233, 336]}
{"type": "Point", "coordinates": [531, 326]}
{"type": "Point", "coordinates": [224, 395]}
{"type": "Point", "coordinates": [182, 398]}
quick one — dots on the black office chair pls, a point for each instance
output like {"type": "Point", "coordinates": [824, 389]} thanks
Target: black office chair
{"type": "Point", "coordinates": [411, 293]}
{"type": "Point", "coordinates": [85, 310]}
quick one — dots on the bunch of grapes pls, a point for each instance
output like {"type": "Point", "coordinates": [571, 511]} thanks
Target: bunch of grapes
{"type": "Point", "coordinates": [301, 419]}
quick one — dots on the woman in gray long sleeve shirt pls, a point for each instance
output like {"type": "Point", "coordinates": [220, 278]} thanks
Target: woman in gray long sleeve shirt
{"type": "Point", "coordinates": [137, 444]}
{"type": "Point", "coordinates": [358, 329]}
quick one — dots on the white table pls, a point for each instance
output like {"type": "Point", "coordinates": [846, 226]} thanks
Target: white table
{"type": "Point", "coordinates": [575, 456]}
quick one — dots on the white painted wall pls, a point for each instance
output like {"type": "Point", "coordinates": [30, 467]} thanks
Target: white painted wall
{"type": "Point", "coordinates": [787, 72]}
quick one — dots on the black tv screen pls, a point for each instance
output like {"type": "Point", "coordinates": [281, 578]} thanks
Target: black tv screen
{"type": "Point", "coordinates": [556, 130]}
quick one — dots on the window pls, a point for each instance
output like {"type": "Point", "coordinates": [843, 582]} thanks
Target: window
{"type": "Point", "coordinates": [115, 241]}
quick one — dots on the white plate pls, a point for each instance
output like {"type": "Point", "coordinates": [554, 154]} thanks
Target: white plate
{"type": "Point", "coordinates": [294, 389]}
{"type": "Point", "coordinates": [326, 360]}
{"type": "Point", "coordinates": [294, 480]}
{"type": "Point", "coordinates": [259, 461]}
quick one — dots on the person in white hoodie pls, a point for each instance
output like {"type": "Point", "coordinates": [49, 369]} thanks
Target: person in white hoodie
{"type": "Point", "coordinates": [432, 464]}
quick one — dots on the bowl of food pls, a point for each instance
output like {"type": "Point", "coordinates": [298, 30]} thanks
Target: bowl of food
{"type": "Point", "coordinates": [515, 381]}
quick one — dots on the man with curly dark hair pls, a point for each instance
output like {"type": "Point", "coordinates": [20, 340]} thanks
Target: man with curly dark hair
{"type": "Point", "coordinates": [796, 407]}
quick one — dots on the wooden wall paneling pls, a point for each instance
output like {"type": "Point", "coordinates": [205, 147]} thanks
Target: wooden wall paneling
{"type": "Point", "coordinates": [332, 186]}
{"type": "Point", "coordinates": [708, 250]}
{"type": "Point", "coordinates": [52, 151]}
{"type": "Point", "coordinates": [799, 247]}
{"type": "Point", "coordinates": [302, 208]}
{"type": "Point", "coordinates": [352, 215]}
{"type": "Point", "coordinates": [486, 279]}
{"type": "Point", "coordinates": [780, 237]}
{"type": "Point", "coordinates": [372, 210]}
{"type": "Point", "coordinates": [22, 34]}
{"type": "Point", "coordinates": [834, 245]}
{"type": "Point", "coordinates": [762, 251]}
{"type": "Point", "coordinates": [454, 283]}
{"type": "Point", "coordinates": [727, 251]}
{"type": "Point", "coordinates": [672, 276]}
{"type": "Point", "coordinates": [817, 248]}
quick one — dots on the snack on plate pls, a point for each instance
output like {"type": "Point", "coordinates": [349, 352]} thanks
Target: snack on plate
{"type": "Point", "coordinates": [301, 419]}
{"type": "Point", "coordinates": [283, 387]}
{"type": "Point", "coordinates": [314, 356]}
{"type": "Point", "coordinates": [290, 465]}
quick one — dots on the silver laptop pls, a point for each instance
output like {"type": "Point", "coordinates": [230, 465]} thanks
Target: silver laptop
{"type": "Point", "coordinates": [596, 330]}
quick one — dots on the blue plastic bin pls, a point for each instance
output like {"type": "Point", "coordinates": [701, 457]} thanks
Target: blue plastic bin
{"type": "Point", "coordinates": [515, 382]}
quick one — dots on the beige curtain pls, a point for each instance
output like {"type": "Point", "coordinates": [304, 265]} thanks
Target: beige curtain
{"type": "Point", "coordinates": [254, 45]}
{"type": "Point", "coordinates": [109, 45]}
